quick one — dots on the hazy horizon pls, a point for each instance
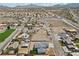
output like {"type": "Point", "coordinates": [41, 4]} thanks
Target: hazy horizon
{"type": "Point", "coordinates": [21, 4]}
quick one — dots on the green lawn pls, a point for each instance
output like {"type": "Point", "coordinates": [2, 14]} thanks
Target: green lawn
{"type": "Point", "coordinates": [77, 45]}
{"type": "Point", "coordinates": [5, 34]}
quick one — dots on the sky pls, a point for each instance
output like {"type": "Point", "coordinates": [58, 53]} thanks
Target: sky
{"type": "Point", "coordinates": [39, 1]}
{"type": "Point", "coordinates": [13, 3]}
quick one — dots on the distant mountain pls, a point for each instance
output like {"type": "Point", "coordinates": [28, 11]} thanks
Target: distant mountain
{"type": "Point", "coordinates": [1, 6]}
{"type": "Point", "coordinates": [30, 6]}
{"type": "Point", "coordinates": [60, 5]}
{"type": "Point", "coordinates": [69, 5]}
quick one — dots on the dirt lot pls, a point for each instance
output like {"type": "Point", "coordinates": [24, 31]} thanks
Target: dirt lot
{"type": "Point", "coordinates": [58, 25]}
{"type": "Point", "coordinates": [40, 35]}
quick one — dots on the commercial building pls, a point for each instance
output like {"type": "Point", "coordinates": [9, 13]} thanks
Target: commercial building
{"type": "Point", "coordinates": [41, 47]}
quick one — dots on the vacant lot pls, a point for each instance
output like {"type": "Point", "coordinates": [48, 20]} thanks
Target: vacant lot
{"type": "Point", "coordinates": [58, 25]}
{"type": "Point", "coordinates": [41, 35]}
{"type": "Point", "coordinates": [5, 34]}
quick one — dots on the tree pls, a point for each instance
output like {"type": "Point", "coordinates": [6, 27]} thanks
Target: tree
{"type": "Point", "coordinates": [8, 27]}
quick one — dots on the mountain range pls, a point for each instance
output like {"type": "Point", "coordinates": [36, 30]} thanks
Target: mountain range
{"type": "Point", "coordinates": [59, 5]}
